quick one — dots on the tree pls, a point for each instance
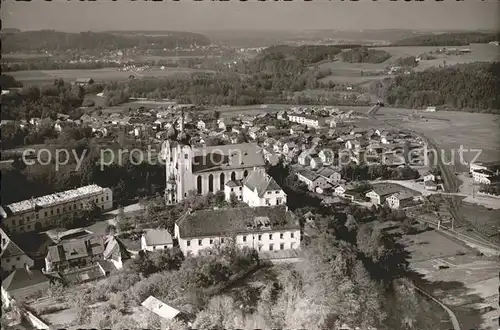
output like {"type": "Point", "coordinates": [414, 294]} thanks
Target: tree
{"type": "Point", "coordinates": [219, 314]}
{"type": "Point", "coordinates": [233, 199]}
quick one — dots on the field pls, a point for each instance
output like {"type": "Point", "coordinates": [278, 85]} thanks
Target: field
{"type": "Point", "coordinates": [37, 77]}
{"type": "Point", "coordinates": [468, 279]}
{"type": "Point", "coordinates": [350, 73]}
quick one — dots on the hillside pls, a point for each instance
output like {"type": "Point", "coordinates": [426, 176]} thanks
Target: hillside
{"type": "Point", "coordinates": [471, 86]}
{"type": "Point", "coordinates": [54, 40]}
{"type": "Point", "coordinates": [449, 39]}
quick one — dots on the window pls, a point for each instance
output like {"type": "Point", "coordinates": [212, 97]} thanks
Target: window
{"type": "Point", "coordinates": [29, 226]}
{"type": "Point", "coordinates": [64, 208]}
{"type": "Point", "coordinates": [200, 242]}
{"type": "Point", "coordinates": [36, 215]}
{"type": "Point", "coordinates": [292, 235]}
{"type": "Point", "coordinates": [260, 237]}
{"type": "Point", "coordinates": [282, 246]}
{"type": "Point", "coordinates": [102, 199]}
{"type": "Point", "coordinates": [244, 238]}
{"type": "Point", "coordinates": [241, 188]}
{"type": "Point", "coordinates": [69, 207]}
{"type": "Point", "coordinates": [271, 247]}
{"type": "Point", "coordinates": [154, 247]}
{"type": "Point", "coordinates": [14, 222]}
{"type": "Point", "coordinates": [281, 236]}
{"type": "Point", "coordinates": [45, 213]}
{"type": "Point", "coordinates": [268, 193]}
{"type": "Point", "coordinates": [188, 243]}
{"type": "Point", "coordinates": [211, 241]}
{"type": "Point", "coordinates": [8, 259]}
{"type": "Point", "coordinates": [268, 201]}
{"type": "Point", "coordinates": [58, 211]}
{"type": "Point", "coordinates": [270, 236]}
{"type": "Point", "coordinates": [222, 240]}
{"type": "Point", "coordinates": [107, 198]}
{"type": "Point", "coordinates": [18, 258]}
{"type": "Point", "coordinates": [185, 156]}
{"type": "Point", "coordinates": [260, 247]}
{"type": "Point", "coordinates": [232, 189]}
{"type": "Point", "coordinates": [279, 201]}
{"type": "Point", "coordinates": [28, 218]}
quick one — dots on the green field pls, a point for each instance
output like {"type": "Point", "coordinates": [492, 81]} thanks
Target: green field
{"type": "Point", "coordinates": [37, 77]}
{"type": "Point", "coordinates": [351, 73]}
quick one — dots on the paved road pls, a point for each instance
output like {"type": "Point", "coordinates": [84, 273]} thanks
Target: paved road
{"type": "Point", "coordinates": [453, 317]}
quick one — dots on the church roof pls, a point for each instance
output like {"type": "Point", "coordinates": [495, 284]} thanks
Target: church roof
{"type": "Point", "coordinates": [227, 157]}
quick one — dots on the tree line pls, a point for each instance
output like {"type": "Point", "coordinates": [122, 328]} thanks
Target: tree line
{"type": "Point", "coordinates": [463, 86]}
{"type": "Point", "coordinates": [449, 39]}
{"type": "Point", "coordinates": [365, 55]}
{"type": "Point", "coordinates": [51, 40]}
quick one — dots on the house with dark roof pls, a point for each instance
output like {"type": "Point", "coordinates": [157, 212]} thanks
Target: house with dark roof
{"type": "Point", "coordinates": [233, 187]}
{"type": "Point", "coordinates": [156, 239]}
{"type": "Point", "coordinates": [115, 251]}
{"type": "Point", "coordinates": [260, 189]}
{"type": "Point", "coordinates": [12, 256]}
{"type": "Point", "coordinates": [402, 199]}
{"type": "Point", "coordinates": [73, 253]}
{"type": "Point", "coordinates": [266, 229]}
{"type": "Point", "coordinates": [22, 283]}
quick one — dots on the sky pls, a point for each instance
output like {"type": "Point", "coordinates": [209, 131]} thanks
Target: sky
{"type": "Point", "coordinates": [187, 15]}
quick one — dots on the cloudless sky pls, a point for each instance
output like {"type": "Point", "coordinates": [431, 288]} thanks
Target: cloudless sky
{"type": "Point", "coordinates": [187, 15]}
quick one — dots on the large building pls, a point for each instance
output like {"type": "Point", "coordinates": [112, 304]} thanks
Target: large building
{"type": "Point", "coordinates": [265, 229]}
{"type": "Point", "coordinates": [44, 212]}
{"type": "Point", "coordinates": [307, 120]}
{"type": "Point", "coordinates": [205, 169]}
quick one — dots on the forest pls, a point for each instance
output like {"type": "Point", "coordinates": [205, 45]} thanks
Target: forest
{"type": "Point", "coordinates": [365, 55]}
{"type": "Point", "coordinates": [449, 39]}
{"type": "Point", "coordinates": [471, 86]}
{"type": "Point", "coordinates": [54, 40]}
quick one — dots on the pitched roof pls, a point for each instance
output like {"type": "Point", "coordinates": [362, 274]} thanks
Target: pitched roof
{"type": "Point", "coordinates": [386, 189]}
{"type": "Point", "coordinates": [160, 308]}
{"type": "Point", "coordinates": [402, 195]}
{"type": "Point", "coordinates": [227, 157]}
{"type": "Point", "coordinates": [260, 181]}
{"type": "Point", "coordinates": [22, 278]}
{"type": "Point", "coordinates": [11, 250]}
{"type": "Point", "coordinates": [157, 237]}
{"type": "Point", "coordinates": [75, 249]}
{"type": "Point", "coordinates": [115, 248]}
{"type": "Point", "coordinates": [234, 183]}
{"type": "Point", "coordinates": [235, 220]}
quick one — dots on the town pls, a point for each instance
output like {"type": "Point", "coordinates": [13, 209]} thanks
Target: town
{"type": "Point", "coordinates": [193, 168]}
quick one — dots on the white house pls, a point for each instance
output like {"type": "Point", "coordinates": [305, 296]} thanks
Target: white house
{"type": "Point", "coordinates": [307, 120]}
{"type": "Point", "coordinates": [264, 229]}
{"type": "Point", "coordinates": [260, 189]}
{"type": "Point", "coordinates": [380, 192]}
{"type": "Point", "coordinates": [156, 239]}
{"type": "Point", "coordinates": [115, 252]}
{"type": "Point", "coordinates": [400, 199]}
{"type": "Point", "coordinates": [12, 256]}
{"type": "Point", "coordinates": [233, 187]}
{"type": "Point", "coordinates": [339, 190]}
{"type": "Point", "coordinates": [315, 162]}
{"type": "Point", "coordinates": [482, 176]}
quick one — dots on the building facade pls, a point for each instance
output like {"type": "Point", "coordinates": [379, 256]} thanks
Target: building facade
{"type": "Point", "coordinates": [307, 120]}
{"type": "Point", "coordinates": [43, 212]}
{"type": "Point", "coordinates": [261, 228]}
{"type": "Point", "coordinates": [12, 256]}
{"type": "Point", "coordinates": [260, 189]}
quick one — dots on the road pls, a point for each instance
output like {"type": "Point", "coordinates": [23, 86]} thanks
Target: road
{"type": "Point", "coordinates": [453, 317]}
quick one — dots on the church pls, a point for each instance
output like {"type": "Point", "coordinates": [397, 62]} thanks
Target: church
{"type": "Point", "coordinates": [204, 169]}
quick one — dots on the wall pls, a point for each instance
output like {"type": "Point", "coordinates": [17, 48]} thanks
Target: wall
{"type": "Point", "coordinates": [260, 241]}
{"type": "Point", "coordinates": [18, 262]}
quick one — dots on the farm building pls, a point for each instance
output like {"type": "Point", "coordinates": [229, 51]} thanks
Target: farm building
{"type": "Point", "coordinates": [84, 82]}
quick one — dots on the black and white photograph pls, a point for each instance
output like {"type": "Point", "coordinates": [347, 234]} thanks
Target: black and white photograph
{"type": "Point", "coordinates": [248, 164]}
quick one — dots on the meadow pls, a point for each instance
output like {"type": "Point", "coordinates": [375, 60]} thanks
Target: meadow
{"type": "Point", "coordinates": [356, 73]}
{"type": "Point", "coordinates": [37, 77]}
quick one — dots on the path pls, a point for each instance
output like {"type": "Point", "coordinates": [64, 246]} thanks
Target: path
{"type": "Point", "coordinates": [453, 317]}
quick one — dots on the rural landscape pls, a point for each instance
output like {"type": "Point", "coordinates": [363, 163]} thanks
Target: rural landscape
{"type": "Point", "coordinates": [319, 179]}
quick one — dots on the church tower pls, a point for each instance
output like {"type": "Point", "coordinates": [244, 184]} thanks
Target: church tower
{"type": "Point", "coordinates": [185, 180]}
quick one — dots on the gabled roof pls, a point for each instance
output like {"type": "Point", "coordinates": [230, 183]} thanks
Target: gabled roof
{"type": "Point", "coordinates": [157, 237]}
{"type": "Point", "coordinates": [402, 195]}
{"type": "Point", "coordinates": [11, 250]}
{"type": "Point", "coordinates": [160, 308]}
{"type": "Point", "coordinates": [234, 183]}
{"type": "Point", "coordinates": [22, 278]}
{"type": "Point", "coordinates": [230, 221]}
{"type": "Point", "coordinates": [260, 181]}
{"type": "Point", "coordinates": [115, 248]}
